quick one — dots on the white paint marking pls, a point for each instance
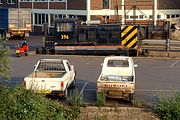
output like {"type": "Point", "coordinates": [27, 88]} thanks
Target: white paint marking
{"type": "Point", "coordinates": [83, 88]}
{"type": "Point", "coordinates": [174, 64]}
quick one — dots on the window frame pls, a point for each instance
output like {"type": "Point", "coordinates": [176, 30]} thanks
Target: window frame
{"type": "Point", "coordinates": [10, 1]}
{"type": "Point", "coordinates": [26, 0]}
{"type": "Point", "coordinates": [38, 18]}
{"type": "Point", "coordinates": [141, 17]}
{"type": "Point", "coordinates": [108, 4]}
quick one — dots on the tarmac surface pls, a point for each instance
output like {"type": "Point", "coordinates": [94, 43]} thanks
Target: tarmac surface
{"type": "Point", "coordinates": [154, 76]}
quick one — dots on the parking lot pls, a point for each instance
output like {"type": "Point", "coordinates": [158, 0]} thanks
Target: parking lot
{"type": "Point", "coordinates": [154, 76]}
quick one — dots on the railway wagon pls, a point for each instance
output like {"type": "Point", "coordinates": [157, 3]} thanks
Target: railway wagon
{"type": "Point", "coordinates": [71, 37]}
{"type": "Point", "coordinates": [15, 22]}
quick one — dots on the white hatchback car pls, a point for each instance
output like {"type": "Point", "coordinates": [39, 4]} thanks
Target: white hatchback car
{"type": "Point", "coordinates": [117, 78]}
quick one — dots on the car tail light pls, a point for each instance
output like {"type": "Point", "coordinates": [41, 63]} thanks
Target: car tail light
{"type": "Point", "coordinates": [62, 84]}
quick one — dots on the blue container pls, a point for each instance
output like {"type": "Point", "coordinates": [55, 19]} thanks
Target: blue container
{"type": "Point", "coordinates": [4, 19]}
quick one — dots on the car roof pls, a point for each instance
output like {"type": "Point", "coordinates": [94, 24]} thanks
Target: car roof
{"type": "Point", "coordinates": [117, 57]}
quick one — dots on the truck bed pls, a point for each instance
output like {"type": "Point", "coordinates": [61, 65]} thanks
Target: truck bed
{"type": "Point", "coordinates": [47, 74]}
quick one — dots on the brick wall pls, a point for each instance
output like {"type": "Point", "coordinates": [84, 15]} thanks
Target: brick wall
{"type": "Point", "coordinates": [76, 4]}
{"type": "Point", "coordinates": [168, 4]}
{"type": "Point", "coordinates": [26, 5]}
{"type": "Point", "coordinates": [145, 4]}
{"type": "Point", "coordinates": [96, 4]}
{"type": "Point", "coordinates": [113, 4]}
{"type": "Point", "coordinates": [40, 5]}
{"type": "Point", "coordinates": [57, 5]}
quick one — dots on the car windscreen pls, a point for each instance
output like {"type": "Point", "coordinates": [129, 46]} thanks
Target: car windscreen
{"type": "Point", "coordinates": [118, 63]}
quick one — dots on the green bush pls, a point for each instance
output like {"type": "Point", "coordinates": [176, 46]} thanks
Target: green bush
{"type": "Point", "coordinates": [101, 99]}
{"type": "Point", "coordinates": [20, 104]}
{"type": "Point", "coordinates": [168, 108]}
{"type": "Point", "coordinates": [76, 100]}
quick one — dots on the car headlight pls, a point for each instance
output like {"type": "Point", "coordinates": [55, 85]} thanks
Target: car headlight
{"type": "Point", "coordinates": [103, 78]}
{"type": "Point", "coordinates": [127, 78]}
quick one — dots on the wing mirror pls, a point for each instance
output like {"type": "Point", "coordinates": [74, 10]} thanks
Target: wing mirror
{"type": "Point", "coordinates": [34, 66]}
{"type": "Point", "coordinates": [72, 67]}
{"type": "Point", "coordinates": [135, 65]}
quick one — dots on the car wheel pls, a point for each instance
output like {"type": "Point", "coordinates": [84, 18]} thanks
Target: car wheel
{"type": "Point", "coordinates": [131, 96]}
{"type": "Point", "coordinates": [65, 94]}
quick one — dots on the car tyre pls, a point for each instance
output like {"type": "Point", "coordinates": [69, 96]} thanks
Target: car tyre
{"type": "Point", "coordinates": [131, 96]}
{"type": "Point", "coordinates": [65, 94]}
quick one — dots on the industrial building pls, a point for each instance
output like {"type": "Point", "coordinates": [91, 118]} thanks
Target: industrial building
{"type": "Point", "coordinates": [122, 11]}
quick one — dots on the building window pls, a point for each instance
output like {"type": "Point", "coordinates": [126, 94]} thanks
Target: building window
{"type": "Point", "coordinates": [141, 16]}
{"type": "Point", "coordinates": [177, 16]}
{"type": "Point", "coordinates": [11, 1]}
{"type": "Point", "coordinates": [168, 16]}
{"type": "Point", "coordinates": [132, 17]}
{"type": "Point", "coordinates": [159, 16]}
{"type": "Point", "coordinates": [56, 0]}
{"type": "Point", "coordinates": [127, 16]}
{"type": "Point", "coordinates": [26, 0]}
{"type": "Point", "coordinates": [105, 4]}
{"type": "Point", "coordinates": [40, 0]}
{"type": "Point", "coordinates": [150, 17]}
{"type": "Point", "coordinates": [172, 16]}
{"type": "Point", "coordinates": [40, 19]}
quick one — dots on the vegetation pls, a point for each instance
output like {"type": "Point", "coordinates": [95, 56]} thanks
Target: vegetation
{"type": "Point", "coordinates": [20, 104]}
{"type": "Point", "coordinates": [138, 103]}
{"type": "Point", "coordinates": [5, 67]}
{"type": "Point", "coordinates": [101, 99]}
{"type": "Point", "coordinates": [76, 99]}
{"type": "Point", "coordinates": [168, 108]}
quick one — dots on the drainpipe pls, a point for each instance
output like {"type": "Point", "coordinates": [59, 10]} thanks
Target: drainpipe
{"type": "Point", "coordinates": [123, 12]}
{"type": "Point", "coordinates": [155, 13]}
{"type": "Point", "coordinates": [66, 9]}
{"type": "Point", "coordinates": [48, 24]}
{"type": "Point", "coordinates": [88, 4]}
{"type": "Point", "coordinates": [33, 15]}
{"type": "Point", "coordinates": [18, 13]}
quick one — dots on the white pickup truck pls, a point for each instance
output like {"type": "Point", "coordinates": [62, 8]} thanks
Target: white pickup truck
{"type": "Point", "coordinates": [51, 76]}
{"type": "Point", "coordinates": [117, 78]}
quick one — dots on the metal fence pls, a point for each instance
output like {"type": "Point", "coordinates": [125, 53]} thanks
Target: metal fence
{"type": "Point", "coordinates": [161, 45]}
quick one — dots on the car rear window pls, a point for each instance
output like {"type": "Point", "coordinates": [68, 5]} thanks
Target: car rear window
{"type": "Point", "coordinates": [118, 63]}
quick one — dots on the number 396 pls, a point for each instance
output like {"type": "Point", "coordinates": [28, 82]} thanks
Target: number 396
{"type": "Point", "coordinates": [64, 37]}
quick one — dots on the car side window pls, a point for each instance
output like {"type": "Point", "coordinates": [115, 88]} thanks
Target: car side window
{"type": "Point", "coordinates": [69, 66]}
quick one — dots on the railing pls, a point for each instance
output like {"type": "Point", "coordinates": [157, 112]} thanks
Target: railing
{"type": "Point", "coordinates": [161, 45]}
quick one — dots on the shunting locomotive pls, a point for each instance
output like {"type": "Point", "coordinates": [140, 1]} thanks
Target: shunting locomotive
{"type": "Point", "coordinates": [72, 37]}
